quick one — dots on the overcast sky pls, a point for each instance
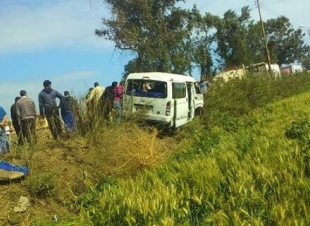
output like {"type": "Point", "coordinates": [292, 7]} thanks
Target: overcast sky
{"type": "Point", "coordinates": [54, 39]}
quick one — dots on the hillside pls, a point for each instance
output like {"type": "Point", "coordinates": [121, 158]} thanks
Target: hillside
{"type": "Point", "coordinates": [62, 170]}
{"type": "Point", "coordinates": [245, 162]}
{"type": "Point", "coordinates": [255, 173]}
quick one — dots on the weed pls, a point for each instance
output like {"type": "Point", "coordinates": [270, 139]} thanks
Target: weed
{"type": "Point", "coordinates": [299, 130]}
{"type": "Point", "coordinates": [41, 184]}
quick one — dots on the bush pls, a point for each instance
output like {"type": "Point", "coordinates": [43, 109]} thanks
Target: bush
{"type": "Point", "coordinates": [226, 102]}
{"type": "Point", "coordinates": [42, 184]}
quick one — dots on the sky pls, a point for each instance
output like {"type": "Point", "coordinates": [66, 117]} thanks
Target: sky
{"type": "Point", "coordinates": [55, 40]}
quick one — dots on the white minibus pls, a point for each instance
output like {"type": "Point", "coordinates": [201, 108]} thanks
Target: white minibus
{"type": "Point", "coordinates": [167, 99]}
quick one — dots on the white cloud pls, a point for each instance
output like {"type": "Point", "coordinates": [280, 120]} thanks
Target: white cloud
{"type": "Point", "coordinates": [52, 23]}
{"type": "Point", "coordinates": [28, 25]}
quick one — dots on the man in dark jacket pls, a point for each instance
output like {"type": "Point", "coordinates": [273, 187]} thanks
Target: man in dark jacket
{"type": "Point", "coordinates": [49, 109]}
{"type": "Point", "coordinates": [68, 106]}
{"type": "Point", "coordinates": [15, 122]}
{"type": "Point", "coordinates": [108, 98]}
{"type": "Point", "coordinates": [26, 115]}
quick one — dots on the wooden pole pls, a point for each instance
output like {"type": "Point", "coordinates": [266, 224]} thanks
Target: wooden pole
{"type": "Point", "coordinates": [264, 38]}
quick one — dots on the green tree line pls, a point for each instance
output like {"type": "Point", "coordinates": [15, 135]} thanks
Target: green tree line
{"type": "Point", "coordinates": [162, 36]}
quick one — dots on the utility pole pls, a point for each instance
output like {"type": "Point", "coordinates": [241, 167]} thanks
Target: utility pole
{"type": "Point", "coordinates": [265, 39]}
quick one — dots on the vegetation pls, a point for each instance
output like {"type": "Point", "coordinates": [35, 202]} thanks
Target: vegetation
{"type": "Point", "coordinates": [249, 166]}
{"type": "Point", "coordinates": [246, 161]}
{"type": "Point", "coordinates": [162, 36]}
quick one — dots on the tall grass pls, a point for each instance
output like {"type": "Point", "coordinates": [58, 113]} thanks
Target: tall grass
{"type": "Point", "coordinates": [227, 102]}
{"type": "Point", "coordinates": [246, 165]}
{"type": "Point", "coordinates": [245, 162]}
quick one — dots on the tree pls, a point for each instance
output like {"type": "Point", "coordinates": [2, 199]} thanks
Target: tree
{"type": "Point", "coordinates": [202, 42]}
{"type": "Point", "coordinates": [286, 44]}
{"type": "Point", "coordinates": [239, 40]}
{"type": "Point", "coordinates": [156, 31]}
{"type": "Point", "coordinates": [232, 44]}
{"type": "Point", "coordinates": [163, 37]}
{"type": "Point", "coordinates": [306, 61]}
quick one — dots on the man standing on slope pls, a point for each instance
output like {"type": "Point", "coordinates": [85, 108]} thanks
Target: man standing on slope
{"type": "Point", "coordinates": [15, 122]}
{"type": "Point", "coordinates": [26, 115]}
{"type": "Point", "coordinates": [68, 108]}
{"type": "Point", "coordinates": [108, 99]}
{"type": "Point", "coordinates": [95, 107]}
{"type": "Point", "coordinates": [48, 108]}
{"type": "Point", "coordinates": [117, 102]}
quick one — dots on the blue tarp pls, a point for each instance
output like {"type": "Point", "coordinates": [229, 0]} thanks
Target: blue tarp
{"type": "Point", "coordinates": [11, 167]}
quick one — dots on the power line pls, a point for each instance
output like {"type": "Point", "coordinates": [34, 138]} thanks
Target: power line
{"type": "Point", "coordinates": [274, 13]}
{"type": "Point", "coordinates": [264, 7]}
{"type": "Point", "coordinates": [251, 1]}
{"type": "Point", "coordinates": [269, 10]}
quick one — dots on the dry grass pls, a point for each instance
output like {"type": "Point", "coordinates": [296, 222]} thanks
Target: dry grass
{"type": "Point", "coordinates": [124, 149]}
{"type": "Point", "coordinates": [62, 170]}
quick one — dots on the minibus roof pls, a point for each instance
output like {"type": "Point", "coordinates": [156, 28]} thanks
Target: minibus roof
{"type": "Point", "coordinates": [161, 76]}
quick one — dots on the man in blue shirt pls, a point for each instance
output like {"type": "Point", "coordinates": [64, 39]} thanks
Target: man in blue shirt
{"type": "Point", "coordinates": [4, 139]}
{"type": "Point", "coordinates": [68, 108]}
{"type": "Point", "coordinates": [49, 109]}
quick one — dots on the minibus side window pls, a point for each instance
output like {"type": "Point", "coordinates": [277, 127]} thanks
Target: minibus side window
{"type": "Point", "coordinates": [178, 90]}
{"type": "Point", "coordinates": [130, 88]}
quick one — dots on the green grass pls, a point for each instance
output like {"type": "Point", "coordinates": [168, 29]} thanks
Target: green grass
{"type": "Point", "coordinates": [246, 164]}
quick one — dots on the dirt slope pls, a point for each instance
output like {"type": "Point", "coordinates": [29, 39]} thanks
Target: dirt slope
{"type": "Point", "coordinates": [59, 171]}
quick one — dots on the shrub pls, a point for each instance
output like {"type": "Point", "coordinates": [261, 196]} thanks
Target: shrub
{"type": "Point", "coordinates": [299, 130]}
{"type": "Point", "coordinates": [227, 102]}
{"type": "Point", "coordinates": [41, 184]}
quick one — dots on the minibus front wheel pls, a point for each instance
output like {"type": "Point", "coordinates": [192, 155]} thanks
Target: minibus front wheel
{"type": "Point", "coordinates": [199, 111]}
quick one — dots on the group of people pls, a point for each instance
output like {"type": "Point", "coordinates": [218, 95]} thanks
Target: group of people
{"type": "Point", "coordinates": [24, 112]}
{"type": "Point", "coordinates": [104, 101]}
{"type": "Point", "coordinates": [24, 116]}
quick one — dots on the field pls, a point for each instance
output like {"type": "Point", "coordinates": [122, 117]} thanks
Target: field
{"type": "Point", "coordinates": [244, 162]}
